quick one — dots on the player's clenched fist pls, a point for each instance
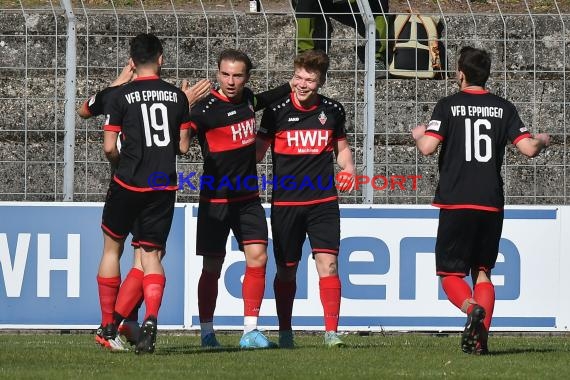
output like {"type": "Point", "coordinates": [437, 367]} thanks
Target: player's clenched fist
{"type": "Point", "coordinates": [418, 131]}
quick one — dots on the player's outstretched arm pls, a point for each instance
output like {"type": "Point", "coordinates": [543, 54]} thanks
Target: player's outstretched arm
{"type": "Point", "coordinates": [264, 99]}
{"type": "Point", "coordinates": [83, 111]}
{"type": "Point", "coordinates": [184, 144]}
{"type": "Point", "coordinates": [126, 75]}
{"type": "Point", "coordinates": [265, 134]}
{"type": "Point", "coordinates": [197, 92]}
{"type": "Point", "coordinates": [532, 146]}
{"type": "Point", "coordinates": [261, 146]}
{"type": "Point", "coordinates": [426, 144]}
{"type": "Point", "coordinates": [345, 179]}
{"type": "Point", "coordinates": [110, 147]}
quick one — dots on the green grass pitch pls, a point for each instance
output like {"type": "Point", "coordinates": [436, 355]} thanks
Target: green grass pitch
{"type": "Point", "coordinates": [76, 356]}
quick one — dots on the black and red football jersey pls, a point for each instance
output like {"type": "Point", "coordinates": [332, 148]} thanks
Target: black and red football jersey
{"type": "Point", "coordinates": [302, 147]}
{"type": "Point", "coordinates": [149, 113]}
{"type": "Point", "coordinates": [474, 128]}
{"type": "Point", "coordinates": [98, 103]}
{"type": "Point", "coordinates": [226, 132]}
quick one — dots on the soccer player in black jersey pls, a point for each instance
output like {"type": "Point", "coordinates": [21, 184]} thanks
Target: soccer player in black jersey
{"type": "Point", "coordinates": [129, 296]}
{"type": "Point", "coordinates": [473, 127]}
{"type": "Point", "coordinates": [153, 118]}
{"type": "Point", "coordinates": [229, 196]}
{"type": "Point", "coordinates": [109, 289]}
{"type": "Point", "coordinates": [304, 129]}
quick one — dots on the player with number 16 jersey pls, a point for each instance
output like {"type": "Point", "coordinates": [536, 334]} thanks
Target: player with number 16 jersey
{"type": "Point", "coordinates": [475, 125]}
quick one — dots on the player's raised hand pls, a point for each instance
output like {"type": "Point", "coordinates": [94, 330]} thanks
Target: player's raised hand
{"type": "Point", "coordinates": [418, 131]}
{"type": "Point", "coordinates": [197, 92]}
{"type": "Point", "coordinates": [126, 75]}
{"type": "Point", "coordinates": [544, 138]}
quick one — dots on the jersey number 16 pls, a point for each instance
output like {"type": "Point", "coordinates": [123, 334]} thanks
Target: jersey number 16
{"type": "Point", "coordinates": [477, 145]}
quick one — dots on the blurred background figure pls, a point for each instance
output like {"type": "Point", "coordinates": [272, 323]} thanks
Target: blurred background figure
{"type": "Point", "coordinates": [314, 27]}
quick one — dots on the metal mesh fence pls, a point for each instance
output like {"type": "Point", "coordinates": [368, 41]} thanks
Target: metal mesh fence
{"type": "Point", "coordinates": [528, 40]}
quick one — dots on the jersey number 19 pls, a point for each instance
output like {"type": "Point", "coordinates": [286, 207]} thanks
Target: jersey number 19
{"type": "Point", "coordinates": [160, 133]}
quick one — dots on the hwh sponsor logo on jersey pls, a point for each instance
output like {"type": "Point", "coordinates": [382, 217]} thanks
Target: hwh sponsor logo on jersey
{"type": "Point", "coordinates": [316, 138]}
{"type": "Point", "coordinates": [233, 136]}
{"type": "Point", "coordinates": [243, 131]}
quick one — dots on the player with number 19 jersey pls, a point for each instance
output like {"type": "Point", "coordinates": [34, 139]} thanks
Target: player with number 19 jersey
{"type": "Point", "coordinates": [148, 155]}
{"type": "Point", "coordinates": [473, 125]}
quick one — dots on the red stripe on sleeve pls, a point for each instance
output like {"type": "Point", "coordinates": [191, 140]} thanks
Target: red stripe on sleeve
{"type": "Point", "coordinates": [523, 136]}
{"type": "Point", "coordinates": [432, 134]}
{"type": "Point", "coordinates": [112, 128]}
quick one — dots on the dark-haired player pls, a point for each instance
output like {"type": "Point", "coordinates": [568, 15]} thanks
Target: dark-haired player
{"type": "Point", "coordinates": [130, 295]}
{"type": "Point", "coordinates": [306, 130]}
{"type": "Point", "coordinates": [153, 118]}
{"type": "Point", "coordinates": [473, 127]}
{"type": "Point", "coordinates": [225, 125]}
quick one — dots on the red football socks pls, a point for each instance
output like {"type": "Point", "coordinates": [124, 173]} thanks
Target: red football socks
{"type": "Point", "coordinates": [284, 297]}
{"type": "Point", "coordinates": [484, 294]}
{"type": "Point", "coordinates": [153, 286]}
{"type": "Point", "coordinates": [207, 296]}
{"type": "Point", "coordinates": [108, 290]}
{"type": "Point", "coordinates": [330, 298]}
{"type": "Point", "coordinates": [252, 290]}
{"type": "Point", "coordinates": [134, 315]}
{"type": "Point", "coordinates": [457, 290]}
{"type": "Point", "coordinates": [130, 294]}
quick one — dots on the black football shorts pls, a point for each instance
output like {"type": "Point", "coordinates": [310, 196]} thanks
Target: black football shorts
{"type": "Point", "coordinates": [151, 210]}
{"type": "Point", "coordinates": [246, 219]}
{"type": "Point", "coordinates": [291, 224]}
{"type": "Point", "coordinates": [467, 239]}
